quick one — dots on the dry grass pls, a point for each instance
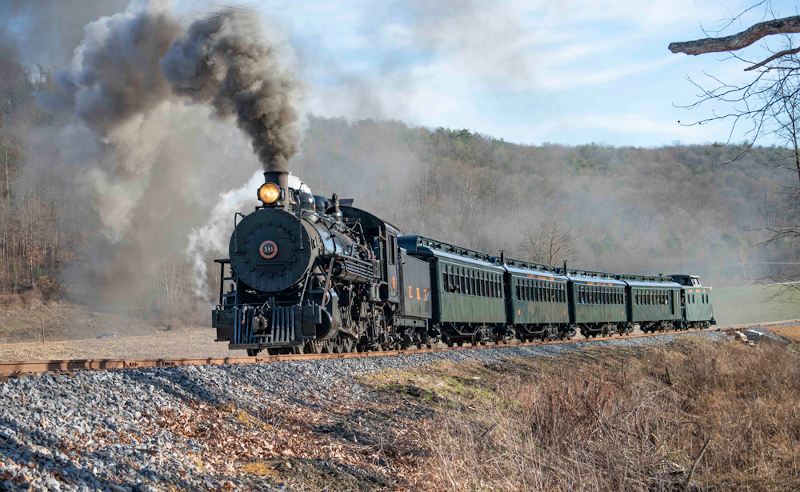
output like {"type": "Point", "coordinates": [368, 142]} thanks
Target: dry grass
{"type": "Point", "coordinates": [187, 343]}
{"type": "Point", "coordinates": [606, 419]}
{"type": "Point", "coordinates": [23, 317]}
{"type": "Point", "coordinates": [790, 331]}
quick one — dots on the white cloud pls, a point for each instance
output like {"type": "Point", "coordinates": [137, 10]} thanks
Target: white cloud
{"type": "Point", "coordinates": [554, 80]}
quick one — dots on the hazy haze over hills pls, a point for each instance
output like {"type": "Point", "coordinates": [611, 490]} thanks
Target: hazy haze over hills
{"type": "Point", "coordinates": [638, 210]}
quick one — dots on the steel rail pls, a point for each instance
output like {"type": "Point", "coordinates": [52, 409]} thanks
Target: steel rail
{"type": "Point", "coordinates": [25, 368]}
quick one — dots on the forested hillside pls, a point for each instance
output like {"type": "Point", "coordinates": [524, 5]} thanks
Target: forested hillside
{"type": "Point", "coordinates": [674, 208]}
{"type": "Point", "coordinates": [34, 241]}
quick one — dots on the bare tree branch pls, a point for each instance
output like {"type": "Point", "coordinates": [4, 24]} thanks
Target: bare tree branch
{"type": "Point", "coordinates": [729, 22]}
{"type": "Point", "coordinates": [738, 41]}
{"type": "Point", "coordinates": [780, 54]}
{"type": "Point", "coordinates": [779, 233]}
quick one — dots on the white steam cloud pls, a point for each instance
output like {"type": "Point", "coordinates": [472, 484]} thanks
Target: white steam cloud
{"type": "Point", "coordinates": [213, 237]}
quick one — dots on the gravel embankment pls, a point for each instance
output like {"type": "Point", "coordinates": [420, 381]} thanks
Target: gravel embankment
{"type": "Point", "coordinates": [120, 430]}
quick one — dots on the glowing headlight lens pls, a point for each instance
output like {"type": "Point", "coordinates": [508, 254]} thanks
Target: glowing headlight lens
{"type": "Point", "coordinates": [269, 193]}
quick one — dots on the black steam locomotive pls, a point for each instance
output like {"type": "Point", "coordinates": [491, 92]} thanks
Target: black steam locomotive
{"type": "Point", "coordinates": [308, 274]}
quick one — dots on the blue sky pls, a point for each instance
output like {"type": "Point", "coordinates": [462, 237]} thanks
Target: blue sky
{"type": "Point", "coordinates": [568, 72]}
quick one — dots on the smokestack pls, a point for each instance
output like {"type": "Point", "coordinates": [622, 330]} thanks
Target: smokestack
{"type": "Point", "coordinates": [280, 178]}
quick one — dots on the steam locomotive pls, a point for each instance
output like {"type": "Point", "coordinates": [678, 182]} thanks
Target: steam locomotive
{"type": "Point", "coordinates": [311, 274]}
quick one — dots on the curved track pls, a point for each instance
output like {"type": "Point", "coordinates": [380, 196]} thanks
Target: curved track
{"type": "Point", "coordinates": [16, 369]}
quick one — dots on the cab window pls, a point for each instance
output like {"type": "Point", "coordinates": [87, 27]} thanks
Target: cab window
{"type": "Point", "coordinates": [392, 250]}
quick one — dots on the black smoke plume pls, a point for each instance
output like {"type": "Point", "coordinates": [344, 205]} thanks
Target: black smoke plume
{"type": "Point", "coordinates": [222, 61]}
{"type": "Point", "coordinates": [114, 74]}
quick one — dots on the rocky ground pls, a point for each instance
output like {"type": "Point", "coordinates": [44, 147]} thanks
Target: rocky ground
{"type": "Point", "coordinates": [306, 426]}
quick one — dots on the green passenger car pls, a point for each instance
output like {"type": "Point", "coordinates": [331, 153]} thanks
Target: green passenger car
{"type": "Point", "coordinates": [470, 291]}
{"type": "Point", "coordinates": [696, 301]}
{"type": "Point", "coordinates": [467, 286]}
{"type": "Point", "coordinates": [537, 300]}
{"type": "Point", "coordinates": [597, 303]}
{"type": "Point", "coordinates": [654, 302]}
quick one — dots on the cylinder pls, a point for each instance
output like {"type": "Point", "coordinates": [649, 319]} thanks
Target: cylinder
{"type": "Point", "coordinates": [280, 178]}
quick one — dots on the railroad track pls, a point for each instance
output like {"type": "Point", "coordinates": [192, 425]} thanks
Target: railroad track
{"type": "Point", "coordinates": [27, 368]}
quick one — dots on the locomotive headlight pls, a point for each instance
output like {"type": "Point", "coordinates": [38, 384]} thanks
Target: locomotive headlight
{"type": "Point", "coordinates": [269, 193]}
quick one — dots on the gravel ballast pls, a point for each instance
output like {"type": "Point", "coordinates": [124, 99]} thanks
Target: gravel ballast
{"type": "Point", "coordinates": [107, 430]}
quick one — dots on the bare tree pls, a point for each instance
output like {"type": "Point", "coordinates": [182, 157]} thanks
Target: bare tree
{"type": "Point", "coordinates": [769, 101]}
{"type": "Point", "coordinates": [551, 243]}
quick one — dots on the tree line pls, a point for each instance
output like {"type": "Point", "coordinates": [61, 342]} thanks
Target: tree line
{"type": "Point", "coordinates": [33, 241]}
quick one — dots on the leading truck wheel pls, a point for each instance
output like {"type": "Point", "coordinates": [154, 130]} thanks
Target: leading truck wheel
{"type": "Point", "coordinates": [252, 352]}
